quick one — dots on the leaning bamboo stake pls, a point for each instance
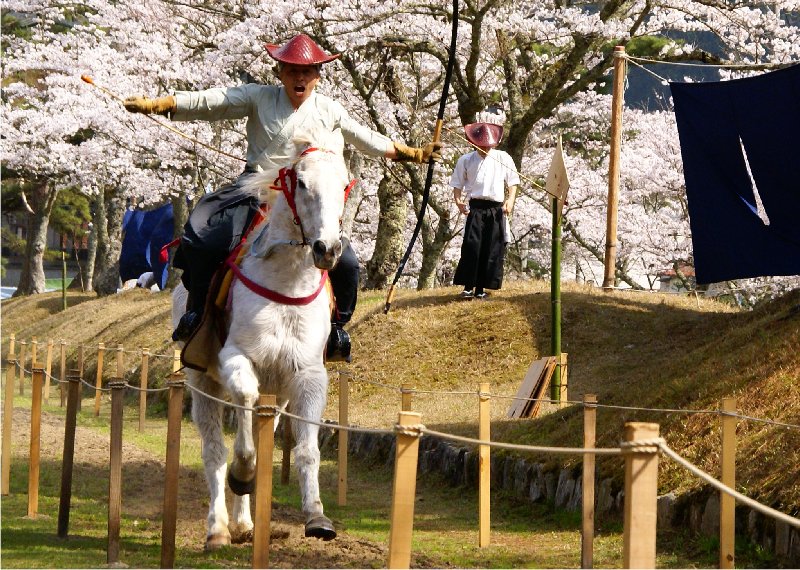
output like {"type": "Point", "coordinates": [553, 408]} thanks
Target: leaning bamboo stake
{"type": "Point", "coordinates": [143, 387]}
{"type": "Point", "coordinates": [265, 427]}
{"type": "Point", "coordinates": [618, 97]}
{"type": "Point", "coordinates": [37, 381]}
{"type": "Point", "coordinates": [8, 415]}
{"type": "Point", "coordinates": [403, 489]}
{"type": "Point", "coordinates": [48, 369]}
{"type": "Point", "coordinates": [344, 399]}
{"type": "Point", "coordinates": [406, 391]}
{"type": "Point", "coordinates": [115, 470]}
{"type": "Point", "coordinates": [170, 512]}
{"type": "Point", "coordinates": [641, 490]}
{"type": "Point", "coordinates": [484, 466]}
{"type": "Point", "coordinates": [70, 423]}
{"type": "Point", "coordinates": [587, 483]}
{"type": "Point", "coordinates": [98, 384]}
{"type": "Point", "coordinates": [23, 353]}
{"type": "Point", "coordinates": [727, 504]}
{"type": "Point", "coordinates": [63, 373]}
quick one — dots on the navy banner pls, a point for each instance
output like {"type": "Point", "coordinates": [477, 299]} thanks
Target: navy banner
{"type": "Point", "coordinates": [741, 139]}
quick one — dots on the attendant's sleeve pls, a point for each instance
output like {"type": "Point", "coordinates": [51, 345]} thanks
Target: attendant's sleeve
{"type": "Point", "coordinates": [512, 176]}
{"type": "Point", "coordinates": [459, 176]}
{"type": "Point", "coordinates": [364, 139]}
{"type": "Point", "coordinates": [214, 104]}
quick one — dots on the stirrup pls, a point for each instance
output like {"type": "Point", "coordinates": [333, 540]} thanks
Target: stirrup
{"type": "Point", "coordinates": [186, 326]}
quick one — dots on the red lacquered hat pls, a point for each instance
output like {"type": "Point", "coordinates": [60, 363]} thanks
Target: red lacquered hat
{"type": "Point", "coordinates": [300, 50]}
{"type": "Point", "coordinates": [484, 134]}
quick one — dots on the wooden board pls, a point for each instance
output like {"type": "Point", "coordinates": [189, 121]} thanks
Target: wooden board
{"type": "Point", "coordinates": [541, 389]}
{"type": "Point", "coordinates": [531, 384]}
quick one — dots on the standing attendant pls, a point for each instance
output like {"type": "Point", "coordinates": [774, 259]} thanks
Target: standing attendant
{"type": "Point", "coordinates": [484, 188]}
{"type": "Point", "coordinates": [273, 113]}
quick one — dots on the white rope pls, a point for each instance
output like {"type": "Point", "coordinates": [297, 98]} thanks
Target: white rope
{"type": "Point", "coordinates": [725, 65]}
{"type": "Point", "coordinates": [530, 448]}
{"type": "Point", "coordinates": [662, 80]}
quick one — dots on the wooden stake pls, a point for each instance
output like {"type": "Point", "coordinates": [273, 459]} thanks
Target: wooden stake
{"type": "Point", "coordinates": [484, 466]}
{"type": "Point", "coordinates": [176, 360]}
{"type": "Point", "coordinates": [37, 379]}
{"type": "Point", "coordinates": [403, 490]}
{"type": "Point", "coordinates": [587, 483]}
{"type": "Point", "coordinates": [120, 362]}
{"type": "Point", "coordinates": [265, 426]}
{"type": "Point", "coordinates": [618, 98]}
{"type": "Point", "coordinates": [62, 373]}
{"type": "Point", "coordinates": [98, 384]}
{"type": "Point", "coordinates": [115, 470]}
{"type": "Point", "coordinates": [727, 504]}
{"type": "Point", "coordinates": [344, 402]}
{"type": "Point", "coordinates": [23, 352]}
{"type": "Point", "coordinates": [286, 451]}
{"type": "Point", "coordinates": [564, 394]}
{"type": "Point", "coordinates": [143, 387]}
{"type": "Point", "coordinates": [34, 351]}
{"type": "Point", "coordinates": [80, 374]}
{"type": "Point", "coordinates": [8, 416]}
{"type": "Point", "coordinates": [12, 339]}
{"type": "Point", "coordinates": [406, 391]}
{"type": "Point", "coordinates": [170, 512]}
{"type": "Point", "coordinates": [641, 490]}
{"type": "Point", "coordinates": [70, 424]}
{"type": "Point", "coordinates": [48, 369]}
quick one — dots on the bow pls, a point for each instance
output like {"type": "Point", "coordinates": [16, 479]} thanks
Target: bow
{"type": "Point", "coordinates": [451, 60]}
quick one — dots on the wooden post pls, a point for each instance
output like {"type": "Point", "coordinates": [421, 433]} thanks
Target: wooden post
{"type": "Point", "coordinates": [344, 440]}
{"type": "Point", "coordinates": [62, 393]}
{"type": "Point", "coordinates": [37, 380]}
{"type": "Point", "coordinates": [70, 423]}
{"type": "Point", "coordinates": [34, 352]}
{"type": "Point", "coordinates": [403, 490]}
{"type": "Point", "coordinates": [48, 370]}
{"type": "Point", "coordinates": [143, 387]}
{"type": "Point", "coordinates": [484, 465]}
{"type": "Point", "coordinates": [23, 352]}
{"type": "Point", "coordinates": [80, 374]}
{"type": "Point", "coordinates": [176, 360]}
{"type": "Point", "coordinates": [564, 394]}
{"type": "Point", "coordinates": [98, 384]}
{"type": "Point", "coordinates": [286, 452]}
{"type": "Point", "coordinates": [12, 339]}
{"type": "Point", "coordinates": [120, 362]}
{"type": "Point", "coordinates": [406, 391]}
{"type": "Point", "coordinates": [587, 483]}
{"type": "Point", "coordinates": [618, 98]}
{"type": "Point", "coordinates": [727, 504]}
{"type": "Point", "coordinates": [265, 426]}
{"type": "Point", "coordinates": [641, 491]}
{"type": "Point", "coordinates": [170, 512]}
{"type": "Point", "coordinates": [8, 416]}
{"type": "Point", "coordinates": [115, 470]}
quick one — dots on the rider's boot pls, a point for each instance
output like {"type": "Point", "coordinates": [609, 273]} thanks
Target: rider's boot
{"type": "Point", "coordinates": [338, 344]}
{"type": "Point", "coordinates": [187, 325]}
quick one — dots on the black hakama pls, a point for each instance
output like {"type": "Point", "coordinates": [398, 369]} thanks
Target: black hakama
{"type": "Point", "coordinates": [483, 249]}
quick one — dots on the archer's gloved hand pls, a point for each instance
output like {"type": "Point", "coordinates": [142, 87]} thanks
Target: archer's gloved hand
{"type": "Point", "coordinates": [418, 155]}
{"type": "Point", "coordinates": [160, 105]}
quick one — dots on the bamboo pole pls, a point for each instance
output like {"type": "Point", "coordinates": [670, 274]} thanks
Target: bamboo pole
{"type": "Point", "coordinates": [115, 470]}
{"type": "Point", "coordinates": [265, 426]}
{"type": "Point", "coordinates": [484, 466]}
{"type": "Point", "coordinates": [62, 373]}
{"type": "Point", "coordinates": [70, 424]}
{"type": "Point", "coordinates": [587, 483]}
{"type": "Point", "coordinates": [641, 490]}
{"type": "Point", "coordinates": [23, 353]}
{"type": "Point", "coordinates": [143, 387]}
{"type": "Point", "coordinates": [344, 402]}
{"type": "Point", "coordinates": [170, 512]}
{"type": "Point", "coordinates": [406, 393]}
{"type": "Point", "coordinates": [48, 370]}
{"type": "Point", "coordinates": [403, 490]}
{"type": "Point", "coordinates": [37, 381]}
{"type": "Point", "coordinates": [8, 417]}
{"type": "Point", "coordinates": [618, 98]}
{"type": "Point", "coordinates": [98, 384]}
{"type": "Point", "coordinates": [727, 504]}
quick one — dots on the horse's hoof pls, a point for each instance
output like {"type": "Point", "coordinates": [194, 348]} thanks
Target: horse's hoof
{"type": "Point", "coordinates": [217, 541]}
{"type": "Point", "coordinates": [241, 487]}
{"type": "Point", "coordinates": [320, 527]}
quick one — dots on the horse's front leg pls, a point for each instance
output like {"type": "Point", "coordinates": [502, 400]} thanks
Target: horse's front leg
{"type": "Point", "coordinates": [242, 383]}
{"type": "Point", "coordinates": [308, 401]}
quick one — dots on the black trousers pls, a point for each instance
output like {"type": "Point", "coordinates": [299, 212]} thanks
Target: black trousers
{"type": "Point", "coordinates": [483, 249]}
{"type": "Point", "coordinates": [215, 227]}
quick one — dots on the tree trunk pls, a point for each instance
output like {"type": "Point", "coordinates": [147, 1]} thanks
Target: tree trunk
{"type": "Point", "coordinates": [434, 244]}
{"type": "Point", "coordinates": [91, 242]}
{"type": "Point", "coordinates": [180, 215]}
{"type": "Point", "coordinates": [41, 199]}
{"type": "Point", "coordinates": [389, 240]}
{"type": "Point", "coordinates": [109, 245]}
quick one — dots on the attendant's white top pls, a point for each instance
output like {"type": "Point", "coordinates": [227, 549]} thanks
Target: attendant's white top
{"type": "Point", "coordinates": [484, 178]}
{"type": "Point", "coordinates": [267, 109]}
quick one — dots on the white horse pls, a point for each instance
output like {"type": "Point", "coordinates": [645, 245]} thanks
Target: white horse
{"type": "Point", "coordinates": [273, 347]}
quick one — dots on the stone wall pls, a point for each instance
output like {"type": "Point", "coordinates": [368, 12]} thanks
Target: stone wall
{"type": "Point", "coordinates": [547, 483]}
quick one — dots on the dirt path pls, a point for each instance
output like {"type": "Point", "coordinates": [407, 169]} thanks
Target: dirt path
{"type": "Point", "coordinates": [143, 483]}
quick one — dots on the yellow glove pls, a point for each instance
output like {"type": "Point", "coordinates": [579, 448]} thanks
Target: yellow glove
{"type": "Point", "coordinates": [418, 155]}
{"type": "Point", "coordinates": [160, 105]}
